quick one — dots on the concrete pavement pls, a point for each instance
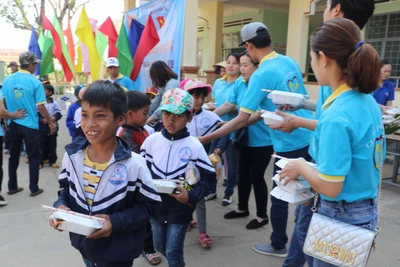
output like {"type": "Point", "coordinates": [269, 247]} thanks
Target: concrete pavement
{"type": "Point", "coordinates": [28, 241]}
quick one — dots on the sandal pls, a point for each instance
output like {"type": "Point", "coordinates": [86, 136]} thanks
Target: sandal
{"type": "Point", "coordinates": [14, 191]}
{"type": "Point", "coordinates": [152, 258]}
{"type": "Point", "coordinates": [205, 240]}
{"type": "Point", "coordinates": [192, 224]}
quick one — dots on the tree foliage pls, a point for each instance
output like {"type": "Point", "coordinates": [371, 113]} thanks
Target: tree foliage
{"type": "Point", "coordinates": [23, 14]}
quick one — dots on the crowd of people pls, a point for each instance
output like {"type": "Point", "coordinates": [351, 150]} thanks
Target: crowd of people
{"type": "Point", "coordinates": [175, 132]}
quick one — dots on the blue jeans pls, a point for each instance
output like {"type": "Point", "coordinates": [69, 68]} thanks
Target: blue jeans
{"type": "Point", "coordinates": [279, 208]}
{"type": "Point", "coordinates": [232, 156]}
{"type": "Point", "coordinates": [168, 240]}
{"type": "Point", "coordinates": [296, 256]}
{"type": "Point", "coordinates": [31, 137]}
{"type": "Point", "coordinates": [363, 213]}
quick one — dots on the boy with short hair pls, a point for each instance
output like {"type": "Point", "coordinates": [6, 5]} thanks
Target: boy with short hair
{"type": "Point", "coordinates": [48, 142]}
{"type": "Point", "coordinates": [101, 176]}
{"type": "Point", "coordinates": [168, 154]}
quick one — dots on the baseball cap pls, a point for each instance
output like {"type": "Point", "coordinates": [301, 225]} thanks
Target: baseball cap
{"type": "Point", "coordinates": [112, 62]}
{"type": "Point", "coordinates": [176, 101]}
{"type": "Point", "coordinates": [27, 58]}
{"type": "Point", "coordinates": [252, 30]}
{"type": "Point", "coordinates": [152, 90]}
{"type": "Point", "coordinates": [12, 63]}
{"type": "Point", "coordinates": [190, 84]}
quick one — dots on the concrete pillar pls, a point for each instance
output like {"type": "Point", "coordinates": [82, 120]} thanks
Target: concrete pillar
{"type": "Point", "coordinates": [297, 40]}
{"type": "Point", "coordinates": [129, 4]}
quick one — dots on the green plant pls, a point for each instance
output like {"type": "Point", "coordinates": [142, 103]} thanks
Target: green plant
{"type": "Point", "coordinates": [393, 126]}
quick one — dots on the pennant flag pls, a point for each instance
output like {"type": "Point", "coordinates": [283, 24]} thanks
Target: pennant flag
{"type": "Point", "coordinates": [78, 67]}
{"type": "Point", "coordinates": [84, 32]}
{"type": "Point", "coordinates": [124, 52]}
{"type": "Point", "coordinates": [85, 58]}
{"type": "Point", "coordinates": [135, 32]}
{"type": "Point", "coordinates": [62, 57]}
{"type": "Point", "coordinates": [101, 43]}
{"type": "Point", "coordinates": [108, 29]}
{"type": "Point", "coordinates": [41, 39]}
{"type": "Point", "coordinates": [47, 55]}
{"type": "Point", "coordinates": [70, 43]}
{"type": "Point", "coordinates": [147, 42]}
{"type": "Point", "coordinates": [34, 47]}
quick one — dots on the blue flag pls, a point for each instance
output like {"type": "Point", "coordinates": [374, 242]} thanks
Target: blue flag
{"type": "Point", "coordinates": [135, 32]}
{"type": "Point", "coordinates": [34, 47]}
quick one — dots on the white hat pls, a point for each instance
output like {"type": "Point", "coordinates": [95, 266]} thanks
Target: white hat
{"type": "Point", "coordinates": [252, 30]}
{"type": "Point", "coordinates": [112, 62]}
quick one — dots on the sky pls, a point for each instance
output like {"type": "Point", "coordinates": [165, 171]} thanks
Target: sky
{"type": "Point", "coordinates": [12, 38]}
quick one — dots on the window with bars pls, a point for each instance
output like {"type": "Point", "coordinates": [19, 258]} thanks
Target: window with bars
{"type": "Point", "coordinates": [383, 33]}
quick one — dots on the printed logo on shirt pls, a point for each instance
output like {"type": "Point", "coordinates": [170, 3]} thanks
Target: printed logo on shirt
{"type": "Point", "coordinates": [185, 154]}
{"type": "Point", "coordinates": [293, 85]}
{"type": "Point", "coordinates": [205, 123]}
{"type": "Point", "coordinates": [119, 175]}
{"type": "Point", "coordinates": [378, 150]}
{"type": "Point", "coordinates": [18, 93]}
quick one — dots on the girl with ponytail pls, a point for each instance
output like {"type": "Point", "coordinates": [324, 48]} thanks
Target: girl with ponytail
{"type": "Point", "coordinates": [349, 138]}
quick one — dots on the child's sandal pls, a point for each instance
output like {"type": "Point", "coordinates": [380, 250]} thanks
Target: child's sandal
{"type": "Point", "coordinates": [205, 240]}
{"type": "Point", "coordinates": [192, 224]}
{"type": "Point", "coordinates": [153, 258]}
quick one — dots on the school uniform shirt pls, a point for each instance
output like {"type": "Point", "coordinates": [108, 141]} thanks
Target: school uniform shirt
{"type": "Point", "coordinates": [258, 133]}
{"type": "Point", "coordinates": [277, 72]}
{"type": "Point", "coordinates": [125, 192]}
{"type": "Point", "coordinates": [134, 136]}
{"type": "Point", "coordinates": [384, 93]}
{"type": "Point", "coordinates": [23, 91]}
{"type": "Point", "coordinates": [349, 140]}
{"type": "Point", "coordinates": [124, 82]}
{"type": "Point", "coordinates": [70, 118]}
{"type": "Point", "coordinates": [167, 158]}
{"type": "Point", "coordinates": [203, 123]}
{"type": "Point", "coordinates": [54, 110]}
{"type": "Point", "coordinates": [220, 93]}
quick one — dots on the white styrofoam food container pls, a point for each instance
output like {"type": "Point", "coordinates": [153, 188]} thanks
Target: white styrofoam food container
{"type": "Point", "coordinates": [295, 187]}
{"type": "Point", "coordinates": [165, 186]}
{"type": "Point", "coordinates": [286, 98]}
{"type": "Point", "coordinates": [392, 111]}
{"type": "Point", "coordinates": [271, 118]}
{"type": "Point", "coordinates": [302, 198]}
{"type": "Point", "coordinates": [77, 223]}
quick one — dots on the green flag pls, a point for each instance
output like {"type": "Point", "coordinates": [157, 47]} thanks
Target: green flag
{"type": "Point", "coordinates": [47, 65]}
{"type": "Point", "coordinates": [101, 43]}
{"type": "Point", "coordinates": [124, 52]}
{"type": "Point", "coordinates": [41, 39]}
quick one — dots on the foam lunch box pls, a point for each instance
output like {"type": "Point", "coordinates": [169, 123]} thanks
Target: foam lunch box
{"type": "Point", "coordinates": [286, 98]}
{"type": "Point", "coordinates": [271, 118]}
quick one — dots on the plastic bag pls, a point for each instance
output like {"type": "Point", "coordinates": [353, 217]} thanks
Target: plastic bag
{"type": "Point", "coordinates": [217, 163]}
{"type": "Point", "coordinates": [192, 174]}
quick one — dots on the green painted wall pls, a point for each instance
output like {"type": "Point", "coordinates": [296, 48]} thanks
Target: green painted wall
{"type": "Point", "coordinates": [388, 7]}
{"type": "Point", "coordinates": [277, 24]}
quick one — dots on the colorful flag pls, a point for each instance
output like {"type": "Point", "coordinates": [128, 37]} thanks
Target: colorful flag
{"type": "Point", "coordinates": [41, 39]}
{"type": "Point", "coordinates": [135, 32]}
{"type": "Point", "coordinates": [108, 29]}
{"type": "Point", "coordinates": [85, 58]}
{"type": "Point", "coordinates": [147, 42]}
{"type": "Point", "coordinates": [85, 34]}
{"type": "Point", "coordinates": [101, 43]}
{"type": "Point", "coordinates": [47, 55]}
{"type": "Point", "coordinates": [59, 45]}
{"type": "Point", "coordinates": [70, 43]}
{"type": "Point", "coordinates": [34, 47]}
{"type": "Point", "coordinates": [124, 52]}
{"type": "Point", "coordinates": [78, 67]}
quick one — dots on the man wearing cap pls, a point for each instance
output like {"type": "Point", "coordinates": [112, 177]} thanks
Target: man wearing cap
{"type": "Point", "coordinates": [275, 72]}
{"type": "Point", "coordinates": [112, 65]}
{"type": "Point", "coordinates": [23, 91]}
{"type": "Point", "coordinates": [13, 66]}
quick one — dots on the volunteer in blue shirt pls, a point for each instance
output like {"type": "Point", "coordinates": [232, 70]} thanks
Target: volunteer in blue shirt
{"type": "Point", "coordinates": [348, 154]}
{"type": "Point", "coordinates": [276, 72]}
{"type": "Point", "coordinates": [23, 91]}
{"type": "Point", "coordinates": [112, 65]}
{"type": "Point", "coordinates": [384, 95]}
{"type": "Point", "coordinates": [254, 158]}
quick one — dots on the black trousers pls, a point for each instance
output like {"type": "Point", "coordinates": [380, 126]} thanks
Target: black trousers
{"type": "Point", "coordinates": [48, 148]}
{"type": "Point", "coordinates": [253, 161]}
{"type": "Point", "coordinates": [148, 242]}
{"type": "Point", "coordinates": [1, 161]}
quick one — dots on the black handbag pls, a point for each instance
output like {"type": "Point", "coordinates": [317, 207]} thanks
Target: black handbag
{"type": "Point", "coordinates": [240, 139]}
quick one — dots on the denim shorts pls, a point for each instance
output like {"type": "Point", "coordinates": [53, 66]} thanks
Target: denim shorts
{"type": "Point", "coordinates": [363, 213]}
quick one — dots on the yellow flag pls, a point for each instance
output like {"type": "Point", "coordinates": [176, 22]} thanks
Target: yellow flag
{"type": "Point", "coordinates": [85, 34]}
{"type": "Point", "coordinates": [78, 67]}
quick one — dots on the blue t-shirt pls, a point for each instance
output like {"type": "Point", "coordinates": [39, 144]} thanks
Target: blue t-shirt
{"type": "Point", "coordinates": [349, 140]}
{"type": "Point", "coordinates": [220, 93]}
{"type": "Point", "coordinates": [258, 133]}
{"type": "Point", "coordinates": [23, 91]}
{"type": "Point", "coordinates": [277, 72]}
{"type": "Point", "coordinates": [126, 82]}
{"type": "Point", "coordinates": [1, 99]}
{"type": "Point", "coordinates": [384, 93]}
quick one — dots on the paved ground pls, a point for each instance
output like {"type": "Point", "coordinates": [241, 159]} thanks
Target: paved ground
{"type": "Point", "coordinates": [28, 241]}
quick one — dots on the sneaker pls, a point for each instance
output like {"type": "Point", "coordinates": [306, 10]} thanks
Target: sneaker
{"type": "Point", "coordinates": [233, 214]}
{"type": "Point", "coordinates": [226, 200]}
{"type": "Point", "coordinates": [267, 249]}
{"type": "Point", "coordinates": [3, 202]}
{"type": "Point", "coordinates": [255, 224]}
{"type": "Point", "coordinates": [211, 196]}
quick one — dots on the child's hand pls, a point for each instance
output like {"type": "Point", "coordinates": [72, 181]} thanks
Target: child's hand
{"type": "Point", "coordinates": [55, 224]}
{"type": "Point", "coordinates": [183, 196]}
{"type": "Point", "coordinates": [44, 121]}
{"type": "Point", "coordinates": [105, 231]}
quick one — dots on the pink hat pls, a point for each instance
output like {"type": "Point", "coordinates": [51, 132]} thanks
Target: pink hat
{"type": "Point", "coordinates": [190, 84]}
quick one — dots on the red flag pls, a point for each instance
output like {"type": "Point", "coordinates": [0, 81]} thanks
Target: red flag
{"type": "Point", "coordinates": [70, 43]}
{"type": "Point", "coordinates": [58, 48]}
{"type": "Point", "coordinates": [107, 28]}
{"type": "Point", "coordinates": [147, 42]}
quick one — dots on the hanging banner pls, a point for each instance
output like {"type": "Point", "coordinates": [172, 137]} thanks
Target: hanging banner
{"type": "Point", "coordinates": [169, 17]}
